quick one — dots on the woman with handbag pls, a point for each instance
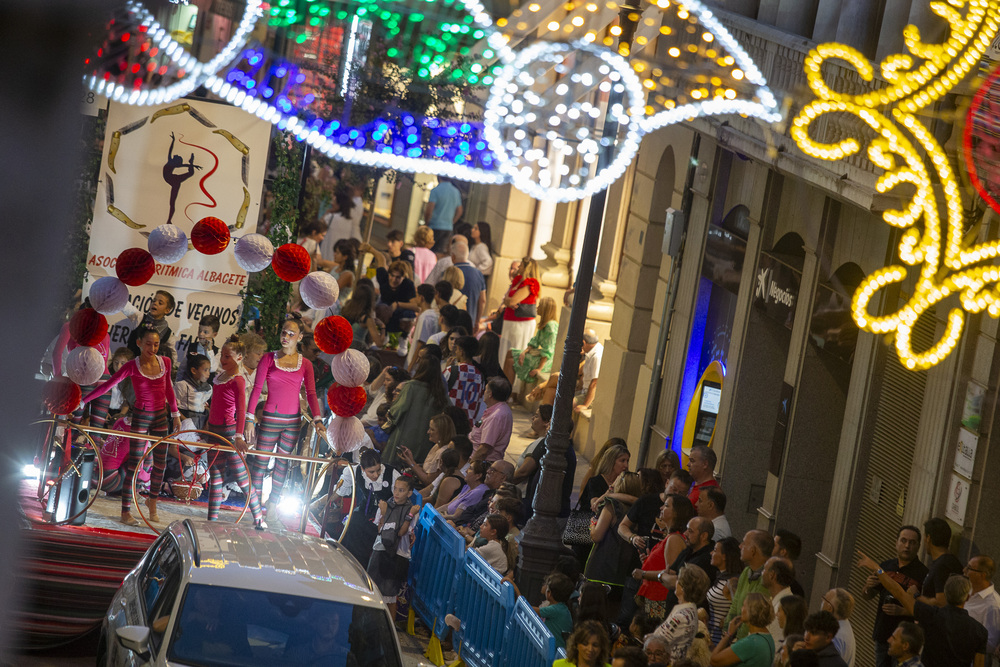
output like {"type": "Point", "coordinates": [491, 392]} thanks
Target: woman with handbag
{"type": "Point", "coordinates": [533, 364]}
{"type": "Point", "coordinates": [612, 559]}
{"type": "Point", "coordinates": [520, 309]}
{"type": "Point", "coordinates": [577, 534]}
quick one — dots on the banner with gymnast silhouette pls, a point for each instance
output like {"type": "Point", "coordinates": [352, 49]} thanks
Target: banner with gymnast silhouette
{"type": "Point", "coordinates": [176, 164]}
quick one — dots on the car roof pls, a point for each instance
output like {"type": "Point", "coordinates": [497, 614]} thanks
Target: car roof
{"type": "Point", "coordinates": [225, 554]}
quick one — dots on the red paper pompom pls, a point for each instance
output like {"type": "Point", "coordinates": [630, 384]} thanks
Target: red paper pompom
{"type": "Point", "coordinates": [291, 262]}
{"type": "Point", "coordinates": [135, 266]}
{"type": "Point", "coordinates": [210, 236]}
{"type": "Point", "coordinates": [333, 334]}
{"type": "Point", "coordinates": [346, 401]}
{"type": "Point", "coordinates": [61, 396]}
{"type": "Point", "coordinates": [88, 327]}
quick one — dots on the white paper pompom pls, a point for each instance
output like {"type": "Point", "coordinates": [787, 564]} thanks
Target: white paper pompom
{"type": "Point", "coordinates": [254, 252]}
{"type": "Point", "coordinates": [85, 365]}
{"type": "Point", "coordinates": [108, 295]}
{"type": "Point", "coordinates": [167, 244]}
{"type": "Point", "coordinates": [319, 290]}
{"type": "Point", "coordinates": [350, 368]}
{"type": "Point", "coordinates": [346, 434]}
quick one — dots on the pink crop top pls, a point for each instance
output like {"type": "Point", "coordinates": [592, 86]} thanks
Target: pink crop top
{"type": "Point", "coordinates": [283, 385]}
{"type": "Point", "coordinates": [229, 403]}
{"type": "Point", "coordinates": [151, 393]}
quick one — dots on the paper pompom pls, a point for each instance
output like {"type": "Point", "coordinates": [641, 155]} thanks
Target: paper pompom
{"type": "Point", "coordinates": [333, 334]}
{"type": "Point", "coordinates": [85, 365]}
{"type": "Point", "coordinates": [319, 290]}
{"type": "Point", "coordinates": [346, 434]}
{"type": "Point", "coordinates": [167, 244]}
{"type": "Point", "coordinates": [346, 401]}
{"type": "Point", "coordinates": [291, 262]}
{"type": "Point", "coordinates": [61, 396]}
{"type": "Point", "coordinates": [253, 252]}
{"type": "Point", "coordinates": [88, 327]}
{"type": "Point", "coordinates": [135, 266]}
{"type": "Point", "coordinates": [350, 368]}
{"type": "Point", "coordinates": [108, 295]}
{"type": "Point", "coordinates": [210, 236]}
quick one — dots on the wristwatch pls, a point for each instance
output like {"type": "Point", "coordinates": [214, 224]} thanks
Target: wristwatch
{"type": "Point", "coordinates": [879, 571]}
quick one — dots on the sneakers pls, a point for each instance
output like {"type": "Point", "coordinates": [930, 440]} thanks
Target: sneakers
{"type": "Point", "coordinates": [404, 347]}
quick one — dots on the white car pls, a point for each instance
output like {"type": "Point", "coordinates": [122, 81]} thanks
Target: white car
{"type": "Point", "coordinates": [210, 594]}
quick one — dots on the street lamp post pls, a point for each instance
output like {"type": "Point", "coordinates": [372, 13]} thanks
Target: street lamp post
{"type": "Point", "coordinates": [541, 543]}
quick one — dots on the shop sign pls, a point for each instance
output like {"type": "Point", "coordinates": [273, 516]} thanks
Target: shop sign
{"type": "Point", "coordinates": [965, 452]}
{"type": "Point", "coordinates": [776, 289]}
{"type": "Point", "coordinates": [958, 500]}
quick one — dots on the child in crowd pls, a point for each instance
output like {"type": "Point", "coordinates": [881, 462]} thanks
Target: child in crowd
{"type": "Point", "coordinates": [557, 589]}
{"type": "Point", "coordinates": [155, 319]}
{"type": "Point", "coordinates": [114, 453]}
{"type": "Point", "coordinates": [208, 329]}
{"type": "Point", "coordinates": [390, 559]}
{"type": "Point", "coordinates": [122, 394]}
{"type": "Point", "coordinates": [194, 390]}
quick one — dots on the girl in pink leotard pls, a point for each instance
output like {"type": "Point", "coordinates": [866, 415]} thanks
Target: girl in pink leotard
{"type": "Point", "coordinates": [154, 392]}
{"type": "Point", "coordinates": [226, 418]}
{"type": "Point", "coordinates": [285, 372]}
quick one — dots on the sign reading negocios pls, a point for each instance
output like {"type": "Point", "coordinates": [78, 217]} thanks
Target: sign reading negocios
{"type": "Point", "coordinates": [776, 289]}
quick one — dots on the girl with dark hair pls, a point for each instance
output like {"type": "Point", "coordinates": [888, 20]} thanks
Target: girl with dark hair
{"type": "Point", "coordinates": [676, 512]}
{"type": "Point", "coordinates": [410, 415]}
{"type": "Point", "coordinates": [489, 355]}
{"type": "Point", "coordinates": [360, 312]}
{"type": "Point", "coordinates": [494, 530]}
{"type": "Point", "coordinates": [371, 482]}
{"type": "Point", "coordinates": [588, 646]}
{"type": "Point", "coordinates": [481, 248]}
{"type": "Point", "coordinates": [464, 378]}
{"type": "Point", "coordinates": [726, 559]}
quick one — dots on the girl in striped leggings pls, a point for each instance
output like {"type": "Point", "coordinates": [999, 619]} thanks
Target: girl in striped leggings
{"type": "Point", "coordinates": [150, 375]}
{"type": "Point", "coordinates": [226, 418]}
{"type": "Point", "coordinates": [285, 372]}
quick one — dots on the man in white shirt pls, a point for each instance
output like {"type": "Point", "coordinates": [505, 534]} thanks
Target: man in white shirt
{"type": "Point", "coordinates": [840, 603]}
{"type": "Point", "coordinates": [712, 505]}
{"type": "Point", "coordinates": [984, 603]}
{"type": "Point", "coordinates": [592, 353]}
{"type": "Point", "coordinates": [426, 324]}
{"type": "Point", "coordinates": [777, 579]}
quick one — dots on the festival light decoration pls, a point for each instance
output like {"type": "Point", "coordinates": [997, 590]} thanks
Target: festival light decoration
{"type": "Point", "coordinates": [350, 368]}
{"type": "Point", "coordinates": [167, 244]}
{"type": "Point", "coordinates": [88, 327]}
{"type": "Point", "coordinates": [291, 262]}
{"type": "Point", "coordinates": [210, 236]}
{"type": "Point", "coordinates": [135, 266]}
{"type": "Point", "coordinates": [346, 401]}
{"type": "Point", "coordinates": [253, 252]}
{"type": "Point", "coordinates": [908, 153]}
{"type": "Point", "coordinates": [333, 334]}
{"type": "Point", "coordinates": [346, 434]}
{"type": "Point", "coordinates": [108, 295]}
{"type": "Point", "coordinates": [456, 40]}
{"type": "Point", "coordinates": [319, 290]}
{"type": "Point", "coordinates": [85, 365]}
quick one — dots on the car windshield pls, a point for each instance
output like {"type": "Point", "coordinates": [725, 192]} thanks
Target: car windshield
{"type": "Point", "coordinates": [223, 627]}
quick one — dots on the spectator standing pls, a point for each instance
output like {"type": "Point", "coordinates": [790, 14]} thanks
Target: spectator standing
{"type": "Point", "coordinates": [481, 250]}
{"type": "Point", "coordinates": [607, 465]}
{"type": "Point", "coordinates": [756, 647]}
{"type": "Point", "coordinates": [697, 551]}
{"type": "Point", "coordinates": [410, 415]}
{"type": "Point", "coordinates": [489, 349]}
{"type": "Point", "coordinates": [531, 469]}
{"type": "Point", "coordinates": [611, 559]}
{"type": "Point", "coordinates": [343, 220]}
{"type": "Point", "coordinates": [674, 516]}
{"type": "Point", "coordinates": [475, 284]}
{"type": "Point", "coordinates": [701, 465]}
{"type": "Point", "coordinates": [426, 324]}
{"type": "Point", "coordinates": [821, 628]}
{"type": "Point", "coordinates": [588, 646]}
{"type": "Point", "coordinates": [905, 644]}
{"type": "Point", "coordinates": [490, 434]}
{"type": "Point", "coordinates": [464, 380]}
{"type": "Point", "coordinates": [984, 602]}
{"type": "Point", "coordinates": [953, 638]}
{"type": "Point", "coordinates": [424, 258]}
{"type": "Point", "coordinates": [442, 210]}
{"type": "Point", "coordinates": [711, 504]}
{"type": "Point", "coordinates": [840, 603]}
{"type": "Point", "coordinates": [777, 579]}
{"type": "Point", "coordinates": [681, 625]}
{"type": "Point", "coordinates": [755, 549]}
{"type": "Point", "coordinates": [726, 560]}
{"type": "Point", "coordinates": [789, 545]}
{"type": "Point", "coordinates": [593, 351]}
{"type": "Point", "coordinates": [532, 365]}
{"type": "Point", "coordinates": [557, 589]}
{"type": "Point", "coordinates": [519, 309]}
{"type": "Point", "coordinates": [908, 571]}
{"type": "Point", "coordinates": [359, 311]}
{"type": "Point", "coordinates": [937, 539]}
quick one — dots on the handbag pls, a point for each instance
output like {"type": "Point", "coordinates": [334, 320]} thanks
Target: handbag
{"type": "Point", "coordinates": [578, 528]}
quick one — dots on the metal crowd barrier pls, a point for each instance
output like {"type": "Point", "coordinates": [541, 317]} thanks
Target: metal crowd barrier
{"type": "Point", "coordinates": [527, 642]}
{"type": "Point", "coordinates": [437, 556]}
{"type": "Point", "coordinates": [483, 603]}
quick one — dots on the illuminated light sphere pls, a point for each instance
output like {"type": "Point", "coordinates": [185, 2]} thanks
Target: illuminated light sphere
{"type": "Point", "coordinates": [88, 327]}
{"type": "Point", "coordinates": [210, 236]}
{"type": "Point", "coordinates": [333, 334]}
{"type": "Point", "coordinates": [61, 396]}
{"type": "Point", "coordinates": [291, 262]}
{"type": "Point", "coordinates": [167, 244]}
{"type": "Point", "coordinates": [135, 266]}
{"type": "Point", "coordinates": [346, 434]}
{"type": "Point", "coordinates": [319, 290]}
{"type": "Point", "coordinates": [346, 401]}
{"type": "Point", "coordinates": [85, 365]}
{"type": "Point", "coordinates": [350, 368]}
{"type": "Point", "coordinates": [253, 252]}
{"type": "Point", "coordinates": [108, 295]}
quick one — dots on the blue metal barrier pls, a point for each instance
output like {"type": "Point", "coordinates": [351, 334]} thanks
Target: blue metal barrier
{"type": "Point", "coordinates": [483, 603]}
{"type": "Point", "coordinates": [527, 642]}
{"type": "Point", "coordinates": [438, 554]}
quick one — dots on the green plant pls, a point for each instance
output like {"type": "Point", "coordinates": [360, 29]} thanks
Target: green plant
{"type": "Point", "coordinates": [267, 291]}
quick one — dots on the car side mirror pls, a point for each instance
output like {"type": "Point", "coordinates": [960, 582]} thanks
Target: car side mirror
{"type": "Point", "coordinates": [134, 638]}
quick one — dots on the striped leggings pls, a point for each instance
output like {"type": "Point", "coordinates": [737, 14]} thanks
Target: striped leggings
{"type": "Point", "coordinates": [274, 430]}
{"type": "Point", "coordinates": [154, 424]}
{"type": "Point", "coordinates": [232, 462]}
{"type": "Point", "coordinates": [98, 407]}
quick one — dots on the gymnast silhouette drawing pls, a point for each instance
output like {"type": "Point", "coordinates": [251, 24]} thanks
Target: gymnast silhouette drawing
{"type": "Point", "coordinates": [175, 178]}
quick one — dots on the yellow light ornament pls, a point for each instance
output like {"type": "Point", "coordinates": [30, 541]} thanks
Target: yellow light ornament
{"type": "Point", "coordinates": [910, 155]}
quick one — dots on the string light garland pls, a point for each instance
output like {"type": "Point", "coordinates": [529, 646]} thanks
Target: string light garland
{"type": "Point", "coordinates": [906, 150]}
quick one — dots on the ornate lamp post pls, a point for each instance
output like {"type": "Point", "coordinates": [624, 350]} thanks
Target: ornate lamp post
{"type": "Point", "coordinates": [541, 543]}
